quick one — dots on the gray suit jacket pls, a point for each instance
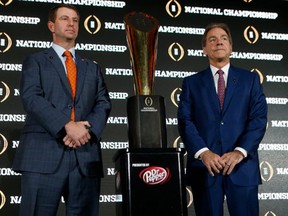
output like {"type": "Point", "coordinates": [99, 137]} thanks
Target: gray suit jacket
{"type": "Point", "coordinates": [47, 99]}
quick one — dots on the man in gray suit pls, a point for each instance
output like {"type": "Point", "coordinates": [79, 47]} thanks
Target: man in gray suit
{"type": "Point", "coordinates": [58, 156]}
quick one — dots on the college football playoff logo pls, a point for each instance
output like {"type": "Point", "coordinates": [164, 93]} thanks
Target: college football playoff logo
{"type": "Point", "coordinates": [175, 96]}
{"type": "Point", "coordinates": [5, 3]}
{"type": "Point", "coordinates": [176, 51]}
{"type": "Point", "coordinates": [173, 8]}
{"type": "Point", "coordinates": [4, 92]}
{"type": "Point", "coordinates": [2, 200]}
{"type": "Point", "coordinates": [5, 42]}
{"type": "Point", "coordinates": [251, 35]}
{"type": "Point", "coordinates": [92, 24]}
{"type": "Point", "coordinates": [3, 144]}
{"type": "Point", "coordinates": [267, 171]}
{"type": "Point", "coordinates": [259, 74]}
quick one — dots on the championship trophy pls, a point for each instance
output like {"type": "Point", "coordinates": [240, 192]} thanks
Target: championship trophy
{"type": "Point", "coordinates": [145, 111]}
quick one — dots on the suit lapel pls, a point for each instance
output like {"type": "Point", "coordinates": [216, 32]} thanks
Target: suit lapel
{"type": "Point", "coordinates": [52, 57]}
{"type": "Point", "coordinates": [81, 73]}
{"type": "Point", "coordinates": [232, 82]}
{"type": "Point", "coordinates": [208, 83]}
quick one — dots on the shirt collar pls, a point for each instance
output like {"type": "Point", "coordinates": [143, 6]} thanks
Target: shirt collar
{"type": "Point", "coordinates": [60, 50]}
{"type": "Point", "coordinates": [225, 69]}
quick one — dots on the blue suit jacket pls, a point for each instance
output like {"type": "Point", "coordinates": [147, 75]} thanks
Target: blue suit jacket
{"type": "Point", "coordinates": [242, 123]}
{"type": "Point", "coordinates": [47, 99]}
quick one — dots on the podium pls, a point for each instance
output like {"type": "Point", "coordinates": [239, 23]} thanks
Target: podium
{"type": "Point", "coordinates": [149, 182]}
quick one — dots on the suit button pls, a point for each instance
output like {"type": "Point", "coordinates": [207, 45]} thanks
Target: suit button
{"type": "Point", "coordinates": [70, 106]}
{"type": "Point", "coordinates": [222, 123]}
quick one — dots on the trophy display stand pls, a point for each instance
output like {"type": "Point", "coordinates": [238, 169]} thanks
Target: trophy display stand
{"type": "Point", "coordinates": [149, 182]}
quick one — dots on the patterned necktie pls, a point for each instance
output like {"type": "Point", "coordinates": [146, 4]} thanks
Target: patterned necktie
{"type": "Point", "coordinates": [72, 76]}
{"type": "Point", "coordinates": [221, 88]}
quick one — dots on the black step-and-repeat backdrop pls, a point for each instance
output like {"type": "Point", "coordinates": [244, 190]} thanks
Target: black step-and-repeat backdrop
{"type": "Point", "coordinates": [260, 33]}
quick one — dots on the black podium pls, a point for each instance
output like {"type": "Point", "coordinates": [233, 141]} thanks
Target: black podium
{"type": "Point", "coordinates": [149, 182]}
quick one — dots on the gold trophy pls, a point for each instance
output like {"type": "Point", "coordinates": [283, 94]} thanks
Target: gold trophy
{"type": "Point", "coordinates": [145, 111]}
{"type": "Point", "coordinates": [142, 39]}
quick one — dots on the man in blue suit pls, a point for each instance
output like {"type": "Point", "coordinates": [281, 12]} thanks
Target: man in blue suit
{"type": "Point", "coordinates": [222, 139]}
{"type": "Point", "coordinates": [59, 156]}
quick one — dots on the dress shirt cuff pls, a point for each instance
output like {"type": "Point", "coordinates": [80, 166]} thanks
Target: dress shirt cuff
{"type": "Point", "coordinates": [243, 151]}
{"type": "Point", "coordinates": [198, 153]}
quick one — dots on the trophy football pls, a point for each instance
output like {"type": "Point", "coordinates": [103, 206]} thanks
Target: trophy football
{"type": "Point", "coordinates": [145, 111]}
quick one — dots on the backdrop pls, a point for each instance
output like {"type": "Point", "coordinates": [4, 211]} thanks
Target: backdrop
{"type": "Point", "coordinates": [260, 37]}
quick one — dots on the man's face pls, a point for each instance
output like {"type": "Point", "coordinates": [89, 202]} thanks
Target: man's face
{"type": "Point", "coordinates": [66, 25]}
{"type": "Point", "coordinates": [218, 46]}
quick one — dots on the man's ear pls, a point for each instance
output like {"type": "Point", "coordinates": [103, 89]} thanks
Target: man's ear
{"type": "Point", "coordinates": [204, 51]}
{"type": "Point", "coordinates": [50, 26]}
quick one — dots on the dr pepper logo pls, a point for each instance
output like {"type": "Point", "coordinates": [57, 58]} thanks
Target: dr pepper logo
{"type": "Point", "coordinates": [155, 175]}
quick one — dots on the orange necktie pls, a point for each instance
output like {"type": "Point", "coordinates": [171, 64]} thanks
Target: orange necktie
{"type": "Point", "coordinates": [72, 76]}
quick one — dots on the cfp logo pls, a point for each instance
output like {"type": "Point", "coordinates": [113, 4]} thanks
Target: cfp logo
{"type": "Point", "coordinates": [177, 143]}
{"type": "Point", "coordinates": [259, 73]}
{"type": "Point", "coordinates": [2, 200]}
{"type": "Point", "coordinates": [173, 8]}
{"type": "Point", "coordinates": [7, 2]}
{"type": "Point", "coordinates": [176, 51]}
{"type": "Point", "coordinates": [3, 144]}
{"type": "Point", "coordinates": [189, 197]}
{"type": "Point", "coordinates": [175, 96]}
{"type": "Point", "coordinates": [4, 92]}
{"type": "Point", "coordinates": [5, 42]}
{"type": "Point", "coordinates": [251, 35]}
{"type": "Point", "coordinates": [148, 101]}
{"type": "Point", "coordinates": [266, 171]}
{"type": "Point", "coordinates": [92, 24]}
{"type": "Point", "coordinates": [270, 213]}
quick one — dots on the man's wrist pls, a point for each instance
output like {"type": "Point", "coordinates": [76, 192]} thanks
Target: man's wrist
{"type": "Point", "coordinates": [88, 126]}
{"type": "Point", "coordinates": [198, 153]}
{"type": "Point", "coordinates": [242, 151]}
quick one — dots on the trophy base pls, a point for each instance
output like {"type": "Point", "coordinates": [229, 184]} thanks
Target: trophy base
{"type": "Point", "coordinates": [146, 121]}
